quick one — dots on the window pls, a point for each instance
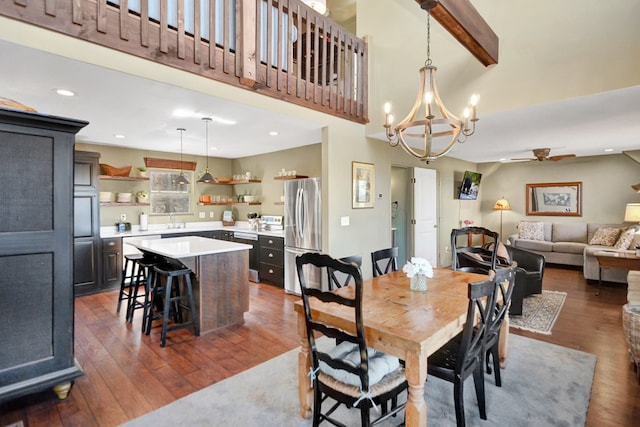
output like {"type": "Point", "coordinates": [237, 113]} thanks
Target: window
{"type": "Point", "coordinates": [167, 197]}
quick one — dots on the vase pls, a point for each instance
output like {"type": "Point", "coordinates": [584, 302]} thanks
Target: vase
{"type": "Point", "coordinates": [419, 283]}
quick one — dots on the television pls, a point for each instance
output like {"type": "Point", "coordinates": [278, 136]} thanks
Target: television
{"type": "Point", "coordinates": [470, 185]}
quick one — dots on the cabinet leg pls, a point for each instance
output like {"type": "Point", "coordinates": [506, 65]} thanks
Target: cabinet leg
{"type": "Point", "coordinates": [62, 390]}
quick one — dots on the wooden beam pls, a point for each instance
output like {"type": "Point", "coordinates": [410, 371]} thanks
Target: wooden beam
{"type": "Point", "coordinates": [465, 24]}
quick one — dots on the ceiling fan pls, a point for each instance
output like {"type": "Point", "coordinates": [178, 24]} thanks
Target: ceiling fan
{"type": "Point", "coordinates": [543, 154]}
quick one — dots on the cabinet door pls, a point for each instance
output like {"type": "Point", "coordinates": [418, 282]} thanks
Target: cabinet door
{"type": "Point", "coordinates": [84, 266]}
{"type": "Point", "coordinates": [111, 263]}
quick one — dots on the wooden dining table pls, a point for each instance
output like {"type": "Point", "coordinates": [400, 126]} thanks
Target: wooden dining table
{"type": "Point", "coordinates": [410, 325]}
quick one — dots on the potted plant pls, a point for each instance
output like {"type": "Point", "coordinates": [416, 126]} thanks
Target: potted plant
{"type": "Point", "coordinates": [142, 197]}
{"type": "Point", "coordinates": [143, 172]}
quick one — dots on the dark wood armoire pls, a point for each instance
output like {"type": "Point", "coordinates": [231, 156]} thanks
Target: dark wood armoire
{"type": "Point", "coordinates": [36, 253]}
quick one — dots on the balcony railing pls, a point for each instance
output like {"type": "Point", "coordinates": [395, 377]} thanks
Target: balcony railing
{"type": "Point", "coordinates": [279, 48]}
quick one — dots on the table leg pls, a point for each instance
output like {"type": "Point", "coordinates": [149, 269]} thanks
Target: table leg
{"type": "Point", "coordinates": [503, 346]}
{"type": "Point", "coordinates": [599, 280]}
{"type": "Point", "coordinates": [305, 388]}
{"type": "Point", "coordinates": [416, 371]}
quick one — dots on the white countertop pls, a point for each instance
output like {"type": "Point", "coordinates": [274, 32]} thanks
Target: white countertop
{"type": "Point", "coordinates": [155, 229]}
{"type": "Point", "coordinates": [187, 246]}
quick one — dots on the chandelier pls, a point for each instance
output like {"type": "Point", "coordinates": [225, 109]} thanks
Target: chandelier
{"type": "Point", "coordinates": [415, 131]}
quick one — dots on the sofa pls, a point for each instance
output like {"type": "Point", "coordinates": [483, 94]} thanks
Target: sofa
{"type": "Point", "coordinates": [574, 244]}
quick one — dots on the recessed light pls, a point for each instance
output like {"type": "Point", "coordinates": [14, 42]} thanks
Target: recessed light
{"type": "Point", "coordinates": [273, 133]}
{"type": "Point", "coordinates": [65, 92]}
{"type": "Point", "coordinates": [119, 136]}
{"type": "Point", "coordinates": [608, 150]}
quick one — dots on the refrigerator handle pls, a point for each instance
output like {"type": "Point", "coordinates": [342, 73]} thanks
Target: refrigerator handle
{"type": "Point", "coordinates": [300, 214]}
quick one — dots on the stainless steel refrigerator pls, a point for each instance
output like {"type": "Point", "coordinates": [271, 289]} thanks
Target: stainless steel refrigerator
{"type": "Point", "coordinates": [302, 229]}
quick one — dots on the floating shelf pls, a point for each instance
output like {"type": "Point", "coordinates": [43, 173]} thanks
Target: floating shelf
{"type": "Point", "coordinates": [249, 181]}
{"type": "Point", "coordinates": [107, 204]}
{"type": "Point", "coordinates": [123, 178]}
{"type": "Point", "coordinates": [229, 203]}
{"type": "Point", "coordinates": [287, 177]}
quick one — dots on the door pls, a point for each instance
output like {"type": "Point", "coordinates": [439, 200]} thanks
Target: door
{"type": "Point", "coordinates": [423, 236]}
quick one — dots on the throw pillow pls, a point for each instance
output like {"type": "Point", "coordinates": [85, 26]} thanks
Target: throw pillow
{"type": "Point", "coordinates": [502, 255]}
{"type": "Point", "coordinates": [531, 230]}
{"type": "Point", "coordinates": [606, 236]}
{"type": "Point", "coordinates": [625, 239]}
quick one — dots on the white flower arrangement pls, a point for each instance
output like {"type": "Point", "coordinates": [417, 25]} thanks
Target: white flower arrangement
{"type": "Point", "coordinates": [419, 266]}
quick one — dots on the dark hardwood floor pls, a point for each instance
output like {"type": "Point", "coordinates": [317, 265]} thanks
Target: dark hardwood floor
{"type": "Point", "coordinates": [128, 374]}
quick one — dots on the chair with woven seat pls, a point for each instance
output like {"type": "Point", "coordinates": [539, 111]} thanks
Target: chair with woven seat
{"type": "Point", "coordinates": [505, 284]}
{"type": "Point", "coordinates": [384, 261]}
{"type": "Point", "coordinates": [337, 279]}
{"type": "Point", "coordinates": [350, 373]}
{"type": "Point", "coordinates": [464, 355]}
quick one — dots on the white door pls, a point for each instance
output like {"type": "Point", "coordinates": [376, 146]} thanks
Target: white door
{"type": "Point", "coordinates": [423, 225]}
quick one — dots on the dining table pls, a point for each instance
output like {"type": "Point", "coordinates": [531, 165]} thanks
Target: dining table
{"type": "Point", "coordinates": [405, 323]}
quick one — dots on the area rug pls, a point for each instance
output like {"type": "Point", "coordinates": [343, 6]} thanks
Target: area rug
{"type": "Point", "coordinates": [542, 385]}
{"type": "Point", "coordinates": [539, 312]}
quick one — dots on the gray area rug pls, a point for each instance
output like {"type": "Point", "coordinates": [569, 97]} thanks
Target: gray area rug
{"type": "Point", "coordinates": [543, 385]}
{"type": "Point", "coordinates": [539, 312]}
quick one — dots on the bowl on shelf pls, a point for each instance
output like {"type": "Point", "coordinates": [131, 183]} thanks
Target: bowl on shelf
{"type": "Point", "coordinates": [106, 169]}
{"type": "Point", "coordinates": [123, 197]}
{"type": "Point", "coordinates": [105, 196]}
{"type": "Point", "coordinates": [249, 199]}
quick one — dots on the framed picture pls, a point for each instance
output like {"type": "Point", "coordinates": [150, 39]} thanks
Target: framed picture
{"type": "Point", "coordinates": [555, 199]}
{"type": "Point", "coordinates": [363, 190]}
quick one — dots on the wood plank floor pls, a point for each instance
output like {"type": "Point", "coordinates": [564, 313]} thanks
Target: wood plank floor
{"type": "Point", "coordinates": [128, 374]}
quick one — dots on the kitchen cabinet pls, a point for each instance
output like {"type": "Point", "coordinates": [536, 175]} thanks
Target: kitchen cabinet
{"type": "Point", "coordinates": [36, 253]}
{"type": "Point", "coordinates": [271, 260]}
{"type": "Point", "coordinates": [111, 263]}
{"type": "Point", "coordinates": [86, 223]}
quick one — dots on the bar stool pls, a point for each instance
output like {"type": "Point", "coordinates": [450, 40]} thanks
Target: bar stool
{"type": "Point", "coordinates": [174, 301]}
{"type": "Point", "coordinates": [143, 277]}
{"type": "Point", "coordinates": [127, 282]}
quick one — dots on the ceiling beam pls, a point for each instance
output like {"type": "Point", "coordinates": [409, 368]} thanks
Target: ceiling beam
{"type": "Point", "coordinates": [465, 24]}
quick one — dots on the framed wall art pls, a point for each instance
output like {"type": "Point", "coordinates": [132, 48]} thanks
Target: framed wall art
{"type": "Point", "coordinates": [555, 199]}
{"type": "Point", "coordinates": [363, 186]}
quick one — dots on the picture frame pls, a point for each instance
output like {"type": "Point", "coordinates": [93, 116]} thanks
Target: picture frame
{"type": "Point", "coordinates": [363, 185]}
{"type": "Point", "coordinates": [554, 199]}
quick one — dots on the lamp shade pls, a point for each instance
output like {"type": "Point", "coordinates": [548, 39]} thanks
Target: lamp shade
{"type": "Point", "coordinates": [502, 205]}
{"type": "Point", "coordinates": [632, 212]}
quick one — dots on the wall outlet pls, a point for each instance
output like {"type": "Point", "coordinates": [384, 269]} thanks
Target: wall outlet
{"type": "Point", "coordinates": [344, 221]}
{"type": "Point", "coordinates": [211, 214]}
{"type": "Point", "coordinates": [201, 215]}
{"type": "Point", "coordinates": [123, 217]}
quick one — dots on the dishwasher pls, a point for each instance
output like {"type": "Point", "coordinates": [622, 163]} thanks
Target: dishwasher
{"type": "Point", "coordinates": [254, 254]}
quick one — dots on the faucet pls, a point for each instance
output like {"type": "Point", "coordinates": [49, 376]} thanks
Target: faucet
{"type": "Point", "coordinates": [172, 221]}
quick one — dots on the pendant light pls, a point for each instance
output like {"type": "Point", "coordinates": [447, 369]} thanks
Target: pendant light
{"type": "Point", "coordinates": [181, 180]}
{"type": "Point", "coordinates": [207, 177]}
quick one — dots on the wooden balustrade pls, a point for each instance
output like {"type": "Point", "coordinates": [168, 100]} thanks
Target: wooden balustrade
{"type": "Point", "coordinates": [286, 51]}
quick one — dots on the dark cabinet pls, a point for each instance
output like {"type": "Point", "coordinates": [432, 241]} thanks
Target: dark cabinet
{"type": "Point", "coordinates": [223, 235]}
{"type": "Point", "coordinates": [272, 260]}
{"type": "Point", "coordinates": [86, 223]}
{"type": "Point", "coordinates": [36, 253]}
{"type": "Point", "coordinates": [111, 263]}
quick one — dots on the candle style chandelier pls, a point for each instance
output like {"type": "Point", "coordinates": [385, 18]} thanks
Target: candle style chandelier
{"type": "Point", "coordinates": [411, 132]}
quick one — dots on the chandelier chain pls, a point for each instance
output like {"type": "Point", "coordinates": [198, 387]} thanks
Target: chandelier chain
{"type": "Point", "coordinates": [428, 61]}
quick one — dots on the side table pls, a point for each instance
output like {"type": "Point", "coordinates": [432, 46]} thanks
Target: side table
{"type": "Point", "coordinates": [611, 259]}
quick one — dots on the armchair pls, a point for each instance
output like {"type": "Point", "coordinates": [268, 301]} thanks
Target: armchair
{"type": "Point", "coordinates": [529, 275]}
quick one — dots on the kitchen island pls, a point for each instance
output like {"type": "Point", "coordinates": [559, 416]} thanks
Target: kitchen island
{"type": "Point", "coordinates": [221, 275]}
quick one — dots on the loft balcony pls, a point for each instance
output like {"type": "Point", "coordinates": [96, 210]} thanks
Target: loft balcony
{"type": "Point", "coordinates": [278, 48]}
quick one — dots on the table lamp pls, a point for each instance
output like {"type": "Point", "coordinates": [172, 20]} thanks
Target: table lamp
{"type": "Point", "coordinates": [501, 205]}
{"type": "Point", "coordinates": [632, 213]}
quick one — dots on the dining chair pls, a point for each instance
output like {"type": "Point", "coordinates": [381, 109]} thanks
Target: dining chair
{"type": "Point", "coordinates": [384, 261]}
{"type": "Point", "coordinates": [471, 253]}
{"type": "Point", "coordinates": [350, 373]}
{"type": "Point", "coordinates": [337, 279]}
{"type": "Point", "coordinates": [505, 284]}
{"type": "Point", "coordinates": [464, 354]}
